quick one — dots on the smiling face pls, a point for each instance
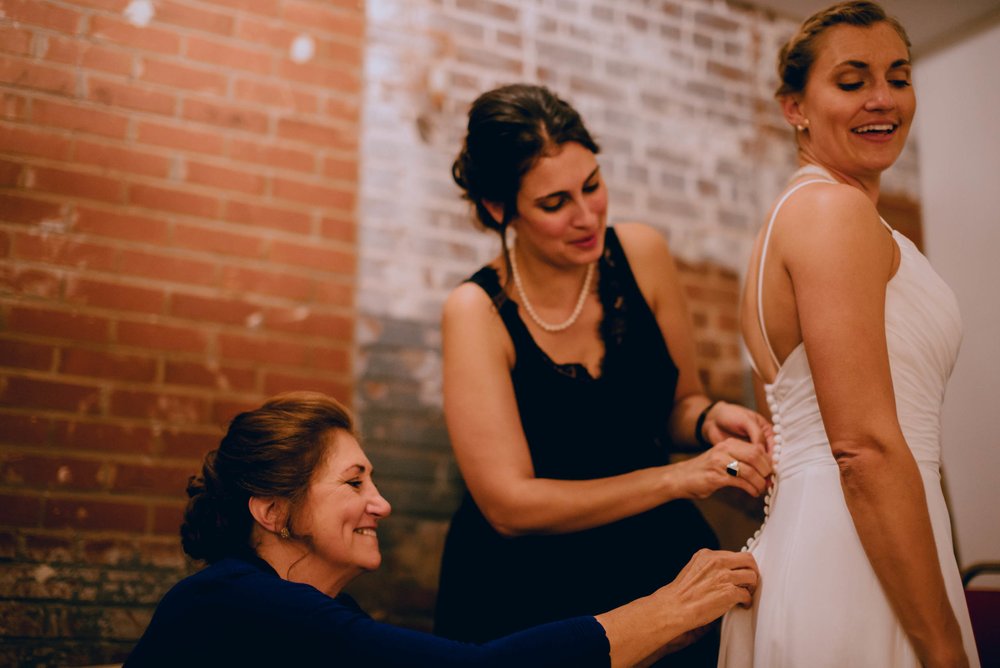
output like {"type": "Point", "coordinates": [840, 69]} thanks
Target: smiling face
{"type": "Point", "coordinates": [858, 102]}
{"type": "Point", "coordinates": [562, 207]}
{"type": "Point", "coordinates": [340, 513]}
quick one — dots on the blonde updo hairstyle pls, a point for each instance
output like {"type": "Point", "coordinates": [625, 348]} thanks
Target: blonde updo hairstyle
{"type": "Point", "coordinates": [799, 53]}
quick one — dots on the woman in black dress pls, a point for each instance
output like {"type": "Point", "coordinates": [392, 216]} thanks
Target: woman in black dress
{"type": "Point", "coordinates": [569, 378]}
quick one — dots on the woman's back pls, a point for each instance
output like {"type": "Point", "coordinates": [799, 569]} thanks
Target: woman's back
{"type": "Point", "coordinates": [821, 603]}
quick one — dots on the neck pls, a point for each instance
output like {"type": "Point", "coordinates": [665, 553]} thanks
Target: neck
{"type": "Point", "coordinates": [549, 286]}
{"type": "Point", "coordinates": [578, 302]}
{"type": "Point", "coordinates": [867, 183]}
{"type": "Point", "coordinates": [294, 562]}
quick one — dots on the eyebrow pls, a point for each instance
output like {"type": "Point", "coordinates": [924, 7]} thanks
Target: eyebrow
{"type": "Point", "coordinates": [862, 65]}
{"type": "Point", "coordinates": [355, 467]}
{"type": "Point", "coordinates": [563, 192]}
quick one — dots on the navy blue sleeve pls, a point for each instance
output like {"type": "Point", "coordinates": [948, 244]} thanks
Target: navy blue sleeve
{"type": "Point", "coordinates": [237, 613]}
{"type": "Point", "coordinates": [579, 642]}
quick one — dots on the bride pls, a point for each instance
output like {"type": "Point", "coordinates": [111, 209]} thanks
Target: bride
{"type": "Point", "coordinates": [854, 336]}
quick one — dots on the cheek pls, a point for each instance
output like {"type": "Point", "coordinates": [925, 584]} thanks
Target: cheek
{"type": "Point", "coordinates": [549, 225]}
{"type": "Point", "coordinates": [599, 201]}
{"type": "Point", "coordinates": [909, 105]}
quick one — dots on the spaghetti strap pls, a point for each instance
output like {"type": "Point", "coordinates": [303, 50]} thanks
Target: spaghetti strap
{"type": "Point", "coordinates": [760, 269]}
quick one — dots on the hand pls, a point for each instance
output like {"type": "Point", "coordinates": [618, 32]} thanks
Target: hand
{"type": "Point", "coordinates": [705, 474]}
{"type": "Point", "coordinates": [710, 584]}
{"type": "Point", "coordinates": [685, 639]}
{"type": "Point", "coordinates": [727, 420]}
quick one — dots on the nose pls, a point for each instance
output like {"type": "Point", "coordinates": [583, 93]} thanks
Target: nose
{"type": "Point", "coordinates": [588, 213]}
{"type": "Point", "coordinates": [378, 506]}
{"type": "Point", "coordinates": [881, 97]}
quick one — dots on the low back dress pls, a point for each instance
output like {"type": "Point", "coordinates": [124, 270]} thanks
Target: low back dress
{"type": "Point", "coordinates": [578, 427]}
{"type": "Point", "coordinates": [819, 602]}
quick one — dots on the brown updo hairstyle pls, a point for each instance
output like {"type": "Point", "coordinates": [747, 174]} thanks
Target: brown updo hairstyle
{"type": "Point", "coordinates": [797, 56]}
{"type": "Point", "coordinates": [270, 451]}
{"type": "Point", "coordinates": [509, 129]}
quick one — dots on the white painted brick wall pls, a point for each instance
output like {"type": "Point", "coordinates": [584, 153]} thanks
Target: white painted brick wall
{"type": "Point", "coordinates": [677, 92]}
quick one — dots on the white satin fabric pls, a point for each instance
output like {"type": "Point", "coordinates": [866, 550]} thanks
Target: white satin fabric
{"type": "Point", "coordinates": [819, 602]}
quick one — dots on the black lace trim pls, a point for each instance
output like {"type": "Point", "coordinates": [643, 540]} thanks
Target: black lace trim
{"type": "Point", "coordinates": [610, 292]}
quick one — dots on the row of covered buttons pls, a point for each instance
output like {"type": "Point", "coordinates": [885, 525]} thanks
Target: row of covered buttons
{"type": "Point", "coordinates": [775, 456]}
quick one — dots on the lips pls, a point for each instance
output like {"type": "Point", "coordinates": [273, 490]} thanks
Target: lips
{"type": "Point", "coordinates": [876, 129]}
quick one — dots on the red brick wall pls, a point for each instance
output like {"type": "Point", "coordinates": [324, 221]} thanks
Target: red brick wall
{"type": "Point", "coordinates": [177, 241]}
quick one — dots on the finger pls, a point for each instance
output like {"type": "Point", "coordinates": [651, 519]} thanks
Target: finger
{"type": "Point", "coordinates": [762, 430]}
{"type": "Point", "coordinates": [744, 421]}
{"type": "Point", "coordinates": [726, 470]}
{"type": "Point", "coordinates": [745, 577]}
{"type": "Point", "coordinates": [769, 441]}
{"type": "Point", "coordinates": [756, 428]}
{"type": "Point", "coordinates": [751, 465]}
{"type": "Point", "coordinates": [754, 478]}
{"type": "Point", "coordinates": [731, 560]}
{"type": "Point", "coordinates": [756, 457]}
{"type": "Point", "coordinates": [742, 483]}
{"type": "Point", "coordinates": [755, 473]}
{"type": "Point", "coordinates": [745, 478]}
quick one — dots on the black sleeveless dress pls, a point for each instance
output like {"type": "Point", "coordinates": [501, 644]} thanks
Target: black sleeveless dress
{"type": "Point", "coordinates": [578, 427]}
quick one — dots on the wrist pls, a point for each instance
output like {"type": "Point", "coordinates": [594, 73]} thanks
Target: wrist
{"type": "Point", "coordinates": [675, 479]}
{"type": "Point", "coordinates": [699, 426]}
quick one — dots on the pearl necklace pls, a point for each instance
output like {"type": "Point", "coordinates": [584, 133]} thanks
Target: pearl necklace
{"type": "Point", "coordinates": [577, 310]}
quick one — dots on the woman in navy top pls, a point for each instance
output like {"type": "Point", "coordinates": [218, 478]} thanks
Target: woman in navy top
{"type": "Point", "coordinates": [286, 513]}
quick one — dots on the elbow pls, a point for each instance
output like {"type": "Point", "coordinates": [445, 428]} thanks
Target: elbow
{"type": "Point", "coordinates": [860, 461]}
{"type": "Point", "coordinates": [506, 529]}
{"type": "Point", "coordinates": [505, 523]}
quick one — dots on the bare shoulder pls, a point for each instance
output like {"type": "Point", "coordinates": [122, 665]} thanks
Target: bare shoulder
{"type": "Point", "coordinates": [832, 225]}
{"type": "Point", "coordinates": [651, 263]}
{"type": "Point", "coordinates": [473, 332]}
{"type": "Point", "coordinates": [643, 244]}
{"type": "Point", "coordinates": [468, 301]}
{"type": "Point", "coordinates": [831, 209]}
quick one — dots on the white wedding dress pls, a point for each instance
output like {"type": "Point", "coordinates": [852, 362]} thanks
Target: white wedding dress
{"type": "Point", "coordinates": [819, 602]}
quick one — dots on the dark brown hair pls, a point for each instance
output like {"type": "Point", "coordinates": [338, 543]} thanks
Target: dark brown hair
{"type": "Point", "coordinates": [509, 129]}
{"type": "Point", "coordinates": [270, 451]}
{"type": "Point", "coordinates": [798, 54]}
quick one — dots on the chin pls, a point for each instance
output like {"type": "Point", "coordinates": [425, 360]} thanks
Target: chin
{"type": "Point", "coordinates": [371, 564]}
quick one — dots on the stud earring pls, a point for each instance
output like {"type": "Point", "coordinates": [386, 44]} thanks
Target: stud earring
{"type": "Point", "coordinates": [284, 533]}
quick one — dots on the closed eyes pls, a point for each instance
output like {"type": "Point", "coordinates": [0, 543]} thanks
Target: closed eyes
{"type": "Point", "coordinates": [562, 199]}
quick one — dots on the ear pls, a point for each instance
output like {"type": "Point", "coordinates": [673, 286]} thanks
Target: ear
{"type": "Point", "coordinates": [270, 512]}
{"type": "Point", "coordinates": [791, 107]}
{"type": "Point", "coordinates": [495, 210]}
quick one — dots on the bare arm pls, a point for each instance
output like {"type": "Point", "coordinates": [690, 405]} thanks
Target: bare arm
{"type": "Point", "coordinates": [485, 429]}
{"type": "Point", "coordinates": [492, 452]}
{"type": "Point", "coordinates": [839, 258]}
{"type": "Point", "coordinates": [656, 273]}
{"type": "Point", "coordinates": [711, 584]}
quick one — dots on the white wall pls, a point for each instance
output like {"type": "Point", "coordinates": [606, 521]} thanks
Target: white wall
{"type": "Point", "coordinates": [958, 111]}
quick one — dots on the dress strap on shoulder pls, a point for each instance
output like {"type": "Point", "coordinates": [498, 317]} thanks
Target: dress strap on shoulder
{"type": "Point", "coordinates": [808, 169]}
